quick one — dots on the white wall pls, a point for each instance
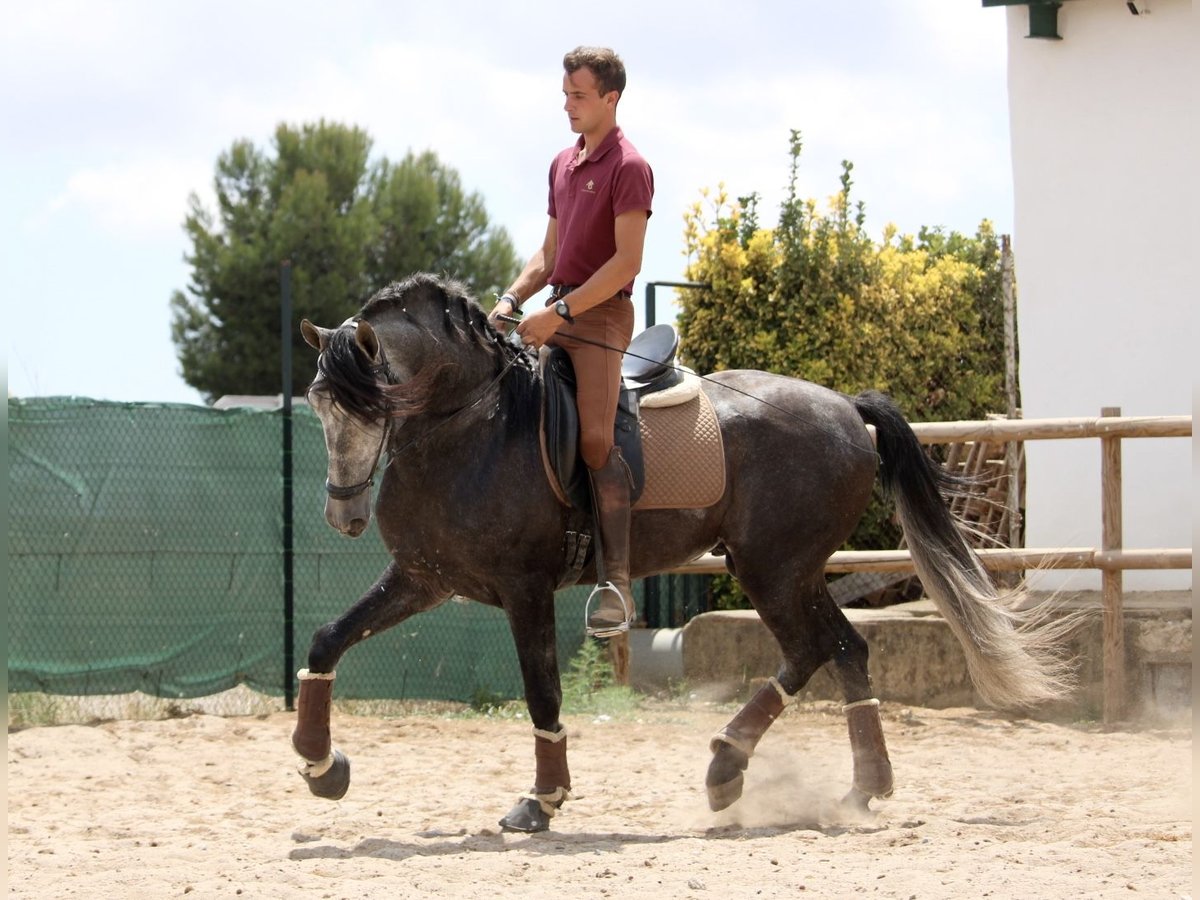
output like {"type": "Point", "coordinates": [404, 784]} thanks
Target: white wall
{"type": "Point", "coordinates": [1107, 260]}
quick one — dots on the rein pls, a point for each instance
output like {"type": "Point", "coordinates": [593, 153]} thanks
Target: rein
{"type": "Point", "coordinates": [450, 417]}
{"type": "Point", "coordinates": [720, 384]}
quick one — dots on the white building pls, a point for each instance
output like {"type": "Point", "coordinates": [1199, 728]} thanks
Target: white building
{"type": "Point", "coordinates": [1105, 238]}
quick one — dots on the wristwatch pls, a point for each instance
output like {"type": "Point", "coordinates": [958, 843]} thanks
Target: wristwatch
{"type": "Point", "coordinates": [563, 310]}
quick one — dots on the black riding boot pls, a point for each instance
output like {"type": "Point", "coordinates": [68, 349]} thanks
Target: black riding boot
{"type": "Point", "coordinates": [611, 486]}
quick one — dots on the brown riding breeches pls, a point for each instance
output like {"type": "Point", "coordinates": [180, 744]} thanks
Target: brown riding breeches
{"type": "Point", "coordinates": [597, 371]}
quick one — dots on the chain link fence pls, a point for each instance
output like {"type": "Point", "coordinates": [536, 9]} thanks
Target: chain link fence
{"type": "Point", "coordinates": [146, 555]}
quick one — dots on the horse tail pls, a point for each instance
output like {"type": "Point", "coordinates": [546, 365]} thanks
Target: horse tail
{"type": "Point", "coordinates": [1014, 655]}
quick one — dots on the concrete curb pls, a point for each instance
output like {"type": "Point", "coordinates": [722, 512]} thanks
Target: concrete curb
{"type": "Point", "coordinates": [915, 659]}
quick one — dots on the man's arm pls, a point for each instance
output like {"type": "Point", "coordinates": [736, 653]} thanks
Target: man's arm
{"type": "Point", "coordinates": [629, 229]}
{"type": "Point", "coordinates": [536, 273]}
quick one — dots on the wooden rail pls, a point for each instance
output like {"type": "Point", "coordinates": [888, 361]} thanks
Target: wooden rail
{"type": "Point", "coordinates": [999, 560]}
{"type": "Point", "coordinates": [1111, 558]}
{"type": "Point", "coordinates": [1002, 430]}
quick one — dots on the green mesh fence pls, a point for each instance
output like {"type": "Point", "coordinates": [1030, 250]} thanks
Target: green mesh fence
{"type": "Point", "coordinates": [146, 554]}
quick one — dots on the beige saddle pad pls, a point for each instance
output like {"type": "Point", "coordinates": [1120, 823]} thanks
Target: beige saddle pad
{"type": "Point", "coordinates": [684, 455]}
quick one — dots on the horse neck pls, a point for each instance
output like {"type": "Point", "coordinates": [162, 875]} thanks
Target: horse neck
{"type": "Point", "coordinates": [476, 395]}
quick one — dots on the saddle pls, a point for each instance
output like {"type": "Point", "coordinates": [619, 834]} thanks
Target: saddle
{"type": "Point", "coordinates": [649, 380]}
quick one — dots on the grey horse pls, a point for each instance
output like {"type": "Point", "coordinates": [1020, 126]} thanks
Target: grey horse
{"type": "Point", "coordinates": [421, 381]}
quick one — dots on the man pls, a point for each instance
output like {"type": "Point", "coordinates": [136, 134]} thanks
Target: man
{"type": "Point", "coordinates": [600, 198]}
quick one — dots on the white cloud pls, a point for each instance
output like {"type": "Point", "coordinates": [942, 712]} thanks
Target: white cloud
{"type": "Point", "coordinates": [119, 109]}
{"type": "Point", "coordinates": [963, 36]}
{"type": "Point", "coordinates": [919, 158]}
{"type": "Point", "coordinates": [136, 198]}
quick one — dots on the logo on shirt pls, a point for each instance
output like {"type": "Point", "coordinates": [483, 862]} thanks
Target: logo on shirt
{"type": "Point", "coordinates": [590, 187]}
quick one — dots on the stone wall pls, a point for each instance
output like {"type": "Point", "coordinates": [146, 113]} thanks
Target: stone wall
{"type": "Point", "coordinates": [915, 659]}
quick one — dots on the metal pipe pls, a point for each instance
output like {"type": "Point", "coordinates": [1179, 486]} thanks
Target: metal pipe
{"type": "Point", "coordinates": [289, 548]}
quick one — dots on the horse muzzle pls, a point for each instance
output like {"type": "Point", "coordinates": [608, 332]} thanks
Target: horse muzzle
{"type": "Point", "coordinates": [348, 509]}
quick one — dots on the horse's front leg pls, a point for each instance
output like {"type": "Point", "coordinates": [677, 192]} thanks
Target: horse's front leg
{"type": "Point", "coordinates": [391, 600]}
{"type": "Point", "coordinates": [532, 625]}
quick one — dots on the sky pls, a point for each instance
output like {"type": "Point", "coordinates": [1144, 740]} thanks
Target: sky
{"type": "Point", "coordinates": [113, 113]}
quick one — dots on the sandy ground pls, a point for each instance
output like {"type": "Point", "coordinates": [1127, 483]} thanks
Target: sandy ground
{"type": "Point", "coordinates": [984, 806]}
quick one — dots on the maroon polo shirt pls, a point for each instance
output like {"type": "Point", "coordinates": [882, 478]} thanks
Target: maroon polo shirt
{"type": "Point", "coordinates": [587, 197]}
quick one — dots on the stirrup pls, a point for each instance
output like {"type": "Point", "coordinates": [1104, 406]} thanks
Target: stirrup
{"type": "Point", "coordinates": [606, 631]}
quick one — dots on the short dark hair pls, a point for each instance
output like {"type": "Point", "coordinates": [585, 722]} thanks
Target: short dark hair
{"type": "Point", "coordinates": [603, 63]}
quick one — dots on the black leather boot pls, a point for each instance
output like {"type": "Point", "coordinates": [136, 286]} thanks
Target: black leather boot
{"type": "Point", "coordinates": [611, 487]}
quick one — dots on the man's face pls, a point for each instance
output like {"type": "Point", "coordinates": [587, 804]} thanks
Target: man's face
{"type": "Point", "coordinates": [586, 108]}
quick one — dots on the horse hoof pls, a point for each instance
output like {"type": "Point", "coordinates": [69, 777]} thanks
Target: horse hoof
{"type": "Point", "coordinates": [857, 801]}
{"type": "Point", "coordinates": [723, 796]}
{"type": "Point", "coordinates": [334, 782]}
{"type": "Point", "coordinates": [725, 779]}
{"type": "Point", "coordinates": [527, 816]}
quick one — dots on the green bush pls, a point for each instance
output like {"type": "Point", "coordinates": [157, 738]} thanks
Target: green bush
{"type": "Point", "coordinates": [920, 318]}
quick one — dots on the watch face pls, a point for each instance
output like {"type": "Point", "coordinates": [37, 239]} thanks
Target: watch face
{"type": "Point", "coordinates": [562, 309]}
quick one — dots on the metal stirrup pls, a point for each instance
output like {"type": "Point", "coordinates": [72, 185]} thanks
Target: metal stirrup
{"type": "Point", "coordinates": [604, 631]}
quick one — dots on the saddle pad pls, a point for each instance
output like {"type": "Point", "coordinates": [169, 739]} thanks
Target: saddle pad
{"type": "Point", "coordinates": [687, 388]}
{"type": "Point", "coordinates": [684, 456]}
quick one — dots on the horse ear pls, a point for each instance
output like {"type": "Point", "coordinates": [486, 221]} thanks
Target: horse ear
{"type": "Point", "coordinates": [367, 340]}
{"type": "Point", "coordinates": [313, 336]}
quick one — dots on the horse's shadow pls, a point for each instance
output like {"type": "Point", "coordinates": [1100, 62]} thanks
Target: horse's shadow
{"type": "Point", "coordinates": [551, 843]}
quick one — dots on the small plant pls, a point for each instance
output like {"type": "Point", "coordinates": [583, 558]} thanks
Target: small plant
{"type": "Point", "coordinates": [588, 685]}
{"type": "Point", "coordinates": [486, 702]}
{"type": "Point", "coordinates": [33, 708]}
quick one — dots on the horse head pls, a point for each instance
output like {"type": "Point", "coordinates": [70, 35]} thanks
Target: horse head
{"type": "Point", "coordinates": [356, 430]}
{"type": "Point", "coordinates": [419, 356]}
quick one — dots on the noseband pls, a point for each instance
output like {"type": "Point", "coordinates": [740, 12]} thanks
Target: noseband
{"type": "Point", "coordinates": [346, 492]}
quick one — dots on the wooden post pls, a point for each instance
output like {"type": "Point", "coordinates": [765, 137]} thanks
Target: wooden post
{"type": "Point", "coordinates": [618, 654]}
{"type": "Point", "coordinates": [1112, 578]}
{"type": "Point", "coordinates": [1011, 448]}
{"type": "Point", "coordinates": [1010, 325]}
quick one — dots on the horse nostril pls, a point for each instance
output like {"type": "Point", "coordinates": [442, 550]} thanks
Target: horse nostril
{"type": "Point", "coordinates": [356, 527]}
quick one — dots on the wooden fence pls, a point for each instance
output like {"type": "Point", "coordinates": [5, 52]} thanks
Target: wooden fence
{"type": "Point", "coordinates": [1111, 558]}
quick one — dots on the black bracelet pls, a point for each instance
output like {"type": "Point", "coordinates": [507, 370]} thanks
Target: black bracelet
{"type": "Point", "coordinates": [512, 301]}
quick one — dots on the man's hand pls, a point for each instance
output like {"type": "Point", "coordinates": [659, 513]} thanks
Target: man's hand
{"type": "Point", "coordinates": [505, 306]}
{"type": "Point", "coordinates": [539, 326]}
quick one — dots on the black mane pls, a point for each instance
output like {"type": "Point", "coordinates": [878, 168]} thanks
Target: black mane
{"type": "Point", "coordinates": [352, 381]}
{"type": "Point", "coordinates": [364, 390]}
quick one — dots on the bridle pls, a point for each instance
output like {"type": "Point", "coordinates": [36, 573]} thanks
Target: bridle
{"type": "Point", "coordinates": [347, 492]}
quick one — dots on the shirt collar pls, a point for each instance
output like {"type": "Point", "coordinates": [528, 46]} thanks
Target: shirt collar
{"type": "Point", "coordinates": [610, 140]}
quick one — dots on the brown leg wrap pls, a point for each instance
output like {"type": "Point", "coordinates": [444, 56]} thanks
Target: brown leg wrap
{"type": "Point", "coordinates": [752, 720]}
{"type": "Point", "coordinates": [311, 736]}
{"type": "Point", "coordinates": [551, 758]}
{"type": "Point", "coordinates": [872, 768]}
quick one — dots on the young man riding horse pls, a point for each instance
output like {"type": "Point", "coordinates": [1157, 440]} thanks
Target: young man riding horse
{"type": "Point", "coordinates": [600, 196]}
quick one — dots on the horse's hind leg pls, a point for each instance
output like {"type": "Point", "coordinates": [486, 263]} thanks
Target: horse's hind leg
{"type": "Point", "coordinates": [787, 610]}
{"type": "Point", "coordinates": [873, 768]}
{"type": "Point", "coordinates": [734, 744]}
{"type": "Point", "coordinates": [392, 599]}
{"type": "Point", "coordinates": [811, 631]}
